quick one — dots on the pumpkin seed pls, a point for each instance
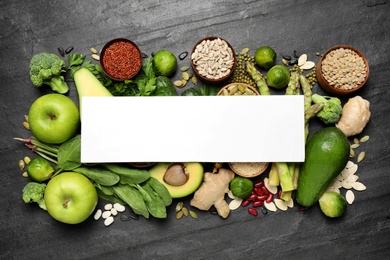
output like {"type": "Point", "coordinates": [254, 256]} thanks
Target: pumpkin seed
{"type": "Point", "coordinates": [350, 196]}
{"type": "Point", "coordinates": [95, 56]}
{"type": "Point", "coordinates": [21, 164]}
{"type": "Point", "coordinates": [178, 83]}
{"type": "Point", "coordinates": [358, 186]}
{"type": "Point", "coordinates": [270, 206]}
{"type": "Point", "coordinates": [281, 204]}
{"type": "Point", "coordinates": [351, 153]}
{"type": "Point", "coordinates": [290, 203]}
{"type": "Point", "coordinates": [93, 50]}
{"type": "Point", "coordinates": [184, 83]}
{"type": "Point", "coordinates": [364, 139]}
{"type": "Point", "coordinates": [354, 146]}
{"type": "Point", "coordinates": [193, 214]}
{"type": "Point", "coordinates": [26, 118]}
{"type": "Point", "coordinates": [285, 62]}
{"type": "Point", "coordinates": [179, 206]}
{"type": "Point", "coordinates": [307, 65]}
{"type": "Point", "coordinates": [235, 204]}
{"type": "Point", "coordinates": [355, 140]}
{"type": "Point", "coordinates": [26, 125]}
{"type": "Point", "coordinates": [272, 189]}
{"type": "Point", "coordinates": [244, 51]}
{"type": "Point", "coordinates": [184, 68]}
{"type": "Point", "coordinates": [179, 214]}
{"type": "Point", "coordinates": [302, 59]}
{"type": "Point", "coordinates": [185, 211]}
{"type": "Point", "coordinates": [26, 160]}
{"type": "Point", "coordinates": [185, 75]}
{"type": "Point", "coordinates": [25, 174]}
{"type": "Point", "coordinates": [361, 156]}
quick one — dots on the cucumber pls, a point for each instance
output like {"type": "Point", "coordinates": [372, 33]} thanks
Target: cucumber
{"type": "Point", "coordinates": [327, 153]}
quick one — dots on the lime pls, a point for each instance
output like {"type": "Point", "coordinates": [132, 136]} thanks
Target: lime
{"type": "Point", "coordinates": [39, 169]}
{"type": "Point", "coordinates": [278, 76]}
{"type": "Point", "coordinates": [164, 63]}
{"type": "Point", "coordinates": [241, 187]}
{"type": "Point", "coordinates": [265, 57]}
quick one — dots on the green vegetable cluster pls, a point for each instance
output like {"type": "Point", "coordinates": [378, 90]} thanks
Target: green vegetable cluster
{"type": "Point", "coordinates": [114, 182]}
{"type": "Point", "coordinates": [46, 69]}
{"type": "Point", "coordinates": [332, 109]}
{"type": "Point", "coordinates": [34, 192]}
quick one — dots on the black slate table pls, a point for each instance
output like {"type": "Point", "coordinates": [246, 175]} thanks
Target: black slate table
{"type": "Point", "coordinates": [30, 27]}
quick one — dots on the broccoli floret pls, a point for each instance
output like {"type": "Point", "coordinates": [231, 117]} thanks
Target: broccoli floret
{"type": "Point", "coordinates": [34, 192]}
{"type": "Point", "coordinates": [46, 69]}
{"type": "Point", "coordinates": [331, 111]}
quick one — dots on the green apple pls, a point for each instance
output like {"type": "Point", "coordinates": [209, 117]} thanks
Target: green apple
{"type": "Point", "coordinates": [70, 197]}
{"type": "Point", "coordinates": [54, 118]}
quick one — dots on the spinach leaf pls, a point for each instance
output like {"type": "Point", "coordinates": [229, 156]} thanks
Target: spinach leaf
{"type": "Point", "coordinates": [127, 175]}
{"type": "Point", "coordinates": [154, 203]}
{"type": "Point", "coordinates": [99, 175]}
{"type": "Point", "coordinates": [161, 190]}
{"type": "Point", "coordinates": [133, 198]}
{"type": "Point", "coordinates": [69, 154]}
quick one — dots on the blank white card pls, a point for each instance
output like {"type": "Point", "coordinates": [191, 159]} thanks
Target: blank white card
{"type": "Point", "coordinates": [193, 129]}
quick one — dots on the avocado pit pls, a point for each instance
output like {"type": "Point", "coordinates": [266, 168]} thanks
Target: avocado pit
{"type": "Point", "coordinates": [176, 175]}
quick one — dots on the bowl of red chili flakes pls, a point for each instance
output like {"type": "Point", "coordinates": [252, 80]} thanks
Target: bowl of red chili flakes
{"type": "Point", "coordinates": [121, 59]}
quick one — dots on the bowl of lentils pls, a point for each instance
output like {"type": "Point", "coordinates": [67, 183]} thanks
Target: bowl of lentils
{"type": "Point", "coordinates": [342, 70]}
{"type": "Point", "coordinates": [213, 60]}
{"type": "Point", "coordinates": [121, 59]}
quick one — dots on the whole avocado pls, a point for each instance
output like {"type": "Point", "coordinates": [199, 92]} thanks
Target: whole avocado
{"type": "Point", "coordinates": [326, 155]}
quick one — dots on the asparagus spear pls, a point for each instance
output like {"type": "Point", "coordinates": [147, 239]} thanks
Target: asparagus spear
{"type": "Point", "coordinates": [258, 78]}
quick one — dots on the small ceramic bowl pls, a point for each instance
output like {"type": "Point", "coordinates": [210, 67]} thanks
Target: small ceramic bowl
{"type": "Point", "coordinates": [338, 87]}
{"type": "Point", "coordinates": [121, 59]}
{"type": "Point", "coordinates": [199, 59]}
{"type": "Point", "coordinates": [248, 170]}
{"type": "Point", "coordinates": [238, 89]}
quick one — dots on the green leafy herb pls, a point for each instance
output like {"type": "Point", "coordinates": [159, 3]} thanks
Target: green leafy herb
{"type": "Point", "coordinates": [69, 154]}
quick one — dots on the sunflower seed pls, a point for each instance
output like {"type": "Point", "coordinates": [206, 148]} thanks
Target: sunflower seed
{"type": "Point", "coordinates": [361, 156]}
{"type": "Point", "coordinates": [350, 196]}
{"type": "Point", "coordinates": [364, 139]}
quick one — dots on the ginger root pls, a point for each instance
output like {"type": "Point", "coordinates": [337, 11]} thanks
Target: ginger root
{"type": "Point", "coordinates": [212, 192]}
{"type": "Point", "coordinates": [355, 116]}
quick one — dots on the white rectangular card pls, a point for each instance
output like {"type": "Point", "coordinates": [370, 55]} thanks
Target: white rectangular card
{"type": "Point", "coordinates": [192, 128]}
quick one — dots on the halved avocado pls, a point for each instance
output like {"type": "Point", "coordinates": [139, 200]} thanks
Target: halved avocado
{"type": "Point", "coordinates": [194, 177]}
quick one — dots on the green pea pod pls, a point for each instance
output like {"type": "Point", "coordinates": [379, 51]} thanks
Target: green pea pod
{"type": "Point", "coordinates": [99, 175]}
{"type": "Point", "coordinates": [128, 175]}
{"type": "Point", "coordinates": [133, 198]}
{"type": "Point", "coordinates": [110, 198]}
{"type": "Point", "coordinates": [153, 202]}
{"type": "Point", "coordinates": [161, 190]}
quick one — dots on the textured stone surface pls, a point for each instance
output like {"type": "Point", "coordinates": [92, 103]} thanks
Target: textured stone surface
{"type": "Point", "coordinates": [30, 27]}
